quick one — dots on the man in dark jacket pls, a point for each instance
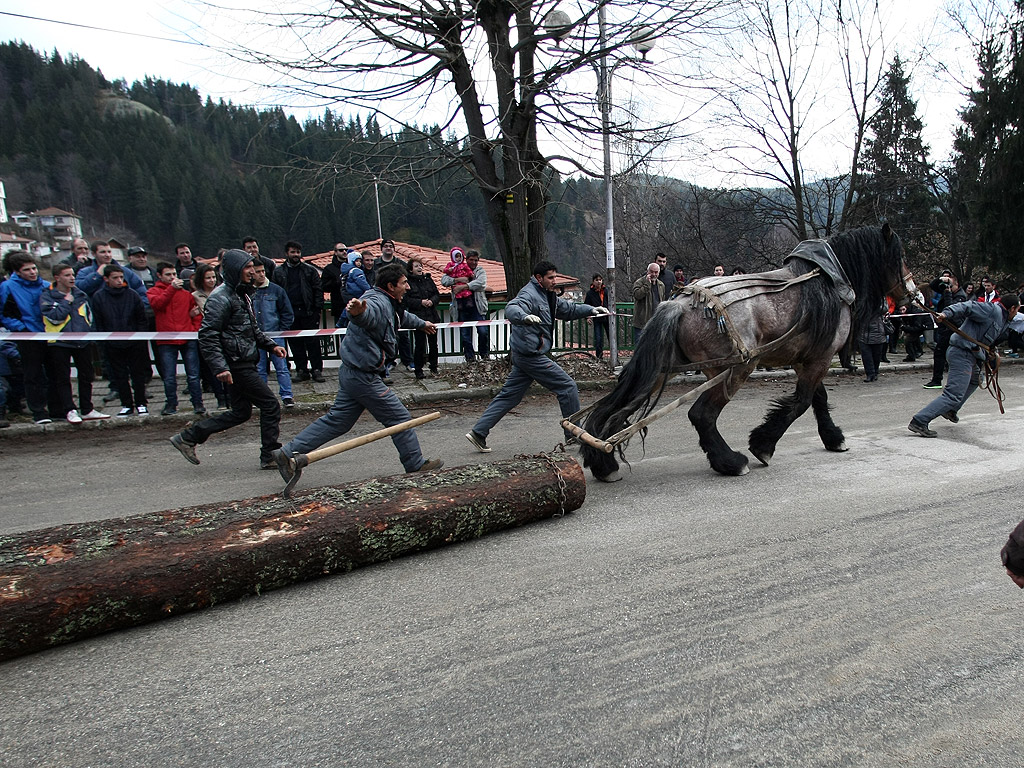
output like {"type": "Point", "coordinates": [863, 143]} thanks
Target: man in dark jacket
{"type": "Point", "coordinates": [116, 307]}
{"type": "Point", "coordinates": [301, 282]}
{"type": "Point", "coordinates": [333, 281]}
{"type": "Point", "coordinates": [230, 340]}
{"type": "Point", "coordinates": [597, 296]}
{"type": "Point", "coordinates": [948, 289]}
{"type": "Point", "coordinates": [985, 323]}
{"type": "Point", "coordinates": [369, 346]}
{"type": "Point", "coordinates": [532, 314]}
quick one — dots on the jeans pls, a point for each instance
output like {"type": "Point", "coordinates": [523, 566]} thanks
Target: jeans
{"type": "Point", "coordinates": [61, 397]}
{"type": "Point", "coordinates": [527, 369]}
{"type": "Point", "coordinates": [483, 333]}
{"type": "Point", "coordinates": [360, 391]}
{"type": "Point", "coordinates": [168, 357]}
{"type": "Point", "coordinates": [246, 390]}
{"type": "Point", "coordinates": [960, 385]}
{"type": "Point", "coordinates": [284, 381]}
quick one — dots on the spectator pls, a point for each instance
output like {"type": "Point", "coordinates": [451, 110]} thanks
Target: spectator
{"type": "Point", "coordinates": [648, 293]}
{"type": "Point", "coordinates": [912, 325]}
{"type": "Point", "coordinates": [471, 308]}
{"type": "Point", "coordinates": [115, 307]}
{"type": "Point", "coordinates": [138, 263]}
{"type": "Point", "coordinates": [387, 256]}
{"type": "Point", "coordinates": [597, 296]}
{"type": "Point", "coordinates": [668, 278]}
{"type": "Point", "coordinates": [371, 342]}
{"type": "Point", "coordinates": [301, 282]}
{"type": "Point", "coordinates": [250, 246]}
{"type": "Point", "coordinates": [369, 267]}
{"type": "Point", "coordinates": [79, 257]}
{"type": "Point", "coordinates": [177, 311]}
{"type": "Point", "coordinates": [230, 340]}
{"type": "Point", "coordinates": [422, 299]}
{"type": "Point", "coordinates": [355, 284]}
{"type": "Point", "coordinates": [332, 280]}
{"type": "Point", "coordinates": [9, 363]}
{"type": "Point", "coordinates": [872, 339]}
{"type": "Point", "coordinates": [988, 290]}
{"type": "Point", "coordinates": [19, 304]}
{"type": "Point", "coordinates": [718, 271]}
{"type": "Point", "coordinates": [204, 280]}
{"type": "Point", "coordinates": [680, 275]}
{"type": "Point", "coordinates": [532, 314]}
{"type": "Point", "coordinates": [90, 279]}
{"type": "Point", "coordinates": [185, 265]}
{"type": "Point", "coordinates": [273, 313]}
{"type": "Point", "coordinates": [946, 289]}
{"type": "Point", "coordinates": [66, 308]}
{"type": "Point", "coordinates": [737, 271]}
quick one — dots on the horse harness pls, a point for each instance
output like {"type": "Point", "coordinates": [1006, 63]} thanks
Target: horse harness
{"type": "Point", "coordinates": [716, 304]}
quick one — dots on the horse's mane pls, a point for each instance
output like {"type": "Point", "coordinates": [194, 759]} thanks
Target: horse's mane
{"type": "Point", "coordinates": [870, 256]}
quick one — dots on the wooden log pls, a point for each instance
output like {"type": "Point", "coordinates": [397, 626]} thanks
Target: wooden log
{"type": "Point", "coordinates": [62, 584]}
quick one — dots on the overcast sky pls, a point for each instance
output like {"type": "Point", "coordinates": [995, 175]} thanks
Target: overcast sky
{"type": "Point", "coordinates": [134, 39]}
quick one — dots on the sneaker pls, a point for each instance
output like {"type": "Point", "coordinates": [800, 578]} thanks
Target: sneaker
{"type": "Point", "coordinates": [289, 402]}
{"type": "Point", "coordinates": [167, 410]}
{"type": "Point", "coordinates": [933, 385]}
{"type": "Point", "coordinates": [185, 448]}
{"type": "Point", "coordinates": [920, 429]}
{"type": "Point", "coordinates": [284, 464]}
{"type": "Point", "coordinates": [126, 411]}
{"type": "Point", "coordinates": [430, 465]}
{"type": "Point", "coordinates": [143, 410]}
{"type": "Point", "coordinates": [951, 416]}
{"type": "Point", "coordinates": [95, 415]}
{"type": "Point", "coordinates": [73, 417]}
{"type": "Point", "coordinates": [410, 368]}
{"type": "Point", "coordinates": [479, 442]}
{"type": "Point", "coordinates": [222, 404]}
{"type": "Point", "coordinates": [43, 420]}
{"type": "Point", "coordinates": [200, 411]}
{"type": "Point", "coordinates": [268, 464]}
{"type": "Point", "coordinates": [318, 376]}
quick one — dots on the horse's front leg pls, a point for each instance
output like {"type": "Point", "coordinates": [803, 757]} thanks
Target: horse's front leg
{"type": "Point", "coordinates": [831, 435]}
{"type": "Point", "coordinates": [785, 410]}
{"type": "Point", "coordinates": [703, 415]}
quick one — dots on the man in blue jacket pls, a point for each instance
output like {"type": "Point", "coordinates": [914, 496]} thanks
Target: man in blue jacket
{"type": "Point", "coordinates": [532, 314]}
{"type": "Point", "coordinates": [983, 322]}
{"type": "Point", "coordinates": [370, 345]}
{"type": "Point", "coordinates": [20, 311]}
{"type": "Point", "coordinates": [273, 313]}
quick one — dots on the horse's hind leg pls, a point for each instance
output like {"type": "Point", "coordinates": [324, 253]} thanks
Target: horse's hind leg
{"type": "Point", "coordinates": [830, 434]}
{"type": "Point", "coordinates": [784, 412]}
{"type": "Point", "coordinates": [704, 417]}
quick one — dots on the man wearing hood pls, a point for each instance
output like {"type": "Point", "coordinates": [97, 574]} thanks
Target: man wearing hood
{"type": "Point", "coordinates": [369, 346]}
{"type": "Point", "coordinates": [230, 341]}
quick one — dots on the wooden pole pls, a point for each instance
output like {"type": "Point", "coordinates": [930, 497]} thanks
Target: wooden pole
{"type": "Point", "coordinates": [62, 584]}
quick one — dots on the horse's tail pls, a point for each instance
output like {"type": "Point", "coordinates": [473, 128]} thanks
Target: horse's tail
{"type": "Point", "coordinates": [639, 387]}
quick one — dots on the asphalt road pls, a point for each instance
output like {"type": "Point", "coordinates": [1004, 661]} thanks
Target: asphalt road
{"type": "Point", "coordinates": [828, 610]}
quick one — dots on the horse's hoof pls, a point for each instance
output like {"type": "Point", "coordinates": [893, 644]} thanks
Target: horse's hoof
{"type": "Point", "coordinates": [839, 448]}
{"type": "Point", "coordinates": [614, 477]}
{"type": "Point", "coordinates": [743, 470]}
{"type": "Point", "coordinates": [764, 458]}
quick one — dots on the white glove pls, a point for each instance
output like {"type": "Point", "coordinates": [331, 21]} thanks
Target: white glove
{"type": "Point", "coordinates": [531, 320]}
{"type": "Point", "coordinates": [600, 311]}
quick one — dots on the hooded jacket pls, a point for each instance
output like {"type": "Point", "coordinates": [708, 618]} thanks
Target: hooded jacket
{"type": "Point", "coordinates": [229, 334]}
{"type": "Point", "coordinates": [372, 338]}
{"type": "Point", "coordinates": [356, 283]}
{"type": "Point", "coordinates": [61, 315]}
{"type": "Point", "coordinates": [19, 303]}
{"type": "Point", "coordinates": [173, 310]}
{"type": "Point", "coordinates": [534, 300]}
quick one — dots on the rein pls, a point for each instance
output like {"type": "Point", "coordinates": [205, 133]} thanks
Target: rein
{"type": "Point", "coordinates": [992, 359]}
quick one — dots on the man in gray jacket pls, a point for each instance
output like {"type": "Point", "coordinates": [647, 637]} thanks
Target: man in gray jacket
{"type": "Point", "coordinates": [982, 321]}
{"type": "Point", "coordinates": [370, 345]}
{"type": "Point", "coordinates": [532, 314]}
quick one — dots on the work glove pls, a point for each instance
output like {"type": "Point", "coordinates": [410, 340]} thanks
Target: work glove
{"type": "Point", "coordinates": [600, 311]}
{"type": "Point", "coordinates": [532, 320]}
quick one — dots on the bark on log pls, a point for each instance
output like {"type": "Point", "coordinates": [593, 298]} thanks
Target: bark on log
{"type": "Point", "coordinates": [62, 584]}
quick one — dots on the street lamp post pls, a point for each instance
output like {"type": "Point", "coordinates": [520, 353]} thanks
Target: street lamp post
{"type": "Point", "coordinates": [604, 96]}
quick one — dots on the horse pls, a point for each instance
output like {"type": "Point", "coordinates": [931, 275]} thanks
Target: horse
{"type": "Point", "coordinates": [797, 316]}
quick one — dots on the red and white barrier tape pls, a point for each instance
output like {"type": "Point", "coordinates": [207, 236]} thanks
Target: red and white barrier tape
{"type": "Point", "coordinates": [183, 336]}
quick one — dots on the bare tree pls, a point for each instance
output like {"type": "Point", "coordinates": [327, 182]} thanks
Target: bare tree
{"type": "Point", "coordinates": [487, 72]}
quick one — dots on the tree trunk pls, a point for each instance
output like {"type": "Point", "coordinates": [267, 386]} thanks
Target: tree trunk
{"type": "Point", "coordinates": [66, 583]}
